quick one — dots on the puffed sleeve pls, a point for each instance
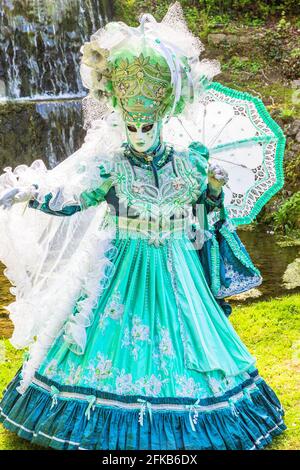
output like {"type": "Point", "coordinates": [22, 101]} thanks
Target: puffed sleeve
{"type": "Point", "coordinates": [86, 199]}
{"type": "Point", "coordinates": [199, 155]}
{"type": "Point", "coordinates": [45, 206]}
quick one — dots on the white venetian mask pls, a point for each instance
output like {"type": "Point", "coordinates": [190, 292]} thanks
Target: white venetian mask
{"type": "Point", "coordinates": [143, 137]}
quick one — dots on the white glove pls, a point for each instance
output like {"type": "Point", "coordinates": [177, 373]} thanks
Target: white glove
{"type": "Point", "coordinates": [217, 177]}
{"type": "Point", "coordinates": [12, 195]}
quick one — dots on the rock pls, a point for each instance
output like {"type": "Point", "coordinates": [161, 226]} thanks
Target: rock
{"type": "Point", "coordinates": [233, 39]}
{"type": "Point", "coordinates": [48, 130]}
{"type": "Point", "coordinates": [295, 84]}
{"type": "Point", "coordinates": [220, 38]}
{"type": "Point", "coordinates": [289, 155]}
{"type": "Point", "coordinates": [291, 277]}
{"type": "Point", "coordinates": [296, 148]}
{"type": "Point", "coordinates": [252, 293]}
{"type": "Point", "coordinates": [298, 137]}
{"type": "Point", "coordinates": [216, 38]}
{"type": "Point", "coordinates": [293, 129]}
{"type": "Point", "coordinates": [245, 39]}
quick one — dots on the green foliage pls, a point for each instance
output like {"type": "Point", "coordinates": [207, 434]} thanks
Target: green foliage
{"type": "Point", "coordinates": [270, 331]}
{"type": "Point", "coordinates": [212, 11]}
{"type": "Point", "coordinates": [12, 362]}
{"type": "Point", "coordinates": [295, 53]}
{"type": "Point", "coordinates": [292, 173]}
{"type": "Point", "coordinates": [249, 8]}
{"type": "Point", "coordinates": [271, 45]}
{"type": "Point", "coordinates": [287, 218]}
{"type": "Point", "coordinates": [283, 24]}
{"type": "Point", "coordinates": [236, 64]}
{"type": "Point", "coordinates": [124, 10]}
{"type": "Point", "coordinates": [282, 45]}
{"type": "Point", "coordinates": [287, 113]}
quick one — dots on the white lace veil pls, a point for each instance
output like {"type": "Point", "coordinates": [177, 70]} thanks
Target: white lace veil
{"type": "Point", "coordinates": [52, 260]}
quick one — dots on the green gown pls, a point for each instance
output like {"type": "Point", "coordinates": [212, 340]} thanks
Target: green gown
{"type": "Point", "coordinates": [161, 366]}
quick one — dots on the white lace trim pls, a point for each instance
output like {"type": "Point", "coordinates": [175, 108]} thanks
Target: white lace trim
{"type": "Point", "coordinates": [154, 406]}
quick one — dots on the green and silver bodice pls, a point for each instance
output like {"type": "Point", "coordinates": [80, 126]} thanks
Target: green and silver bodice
{"type": "Point", "coordinates": [155, 198]}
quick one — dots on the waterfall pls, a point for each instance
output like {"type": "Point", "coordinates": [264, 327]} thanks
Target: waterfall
{"type": "Point", "coordinates": [64, 130]}
{"type": "Point", "coordinates": [40, 42]}
{"type": "Point", "coordinates": [39, 65]}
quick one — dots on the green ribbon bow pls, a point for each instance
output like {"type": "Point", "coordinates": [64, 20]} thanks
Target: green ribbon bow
{"type": "Point", "coordinates": [145, 405]}
{"type": "Point", "coordinates": [91, 406]}
{"type": "Point", "coordinates": [233, 407]}
{"type": "Point", "coordinates": [54, 394]}
{"type": "Point", "coordinates": [193, 413]}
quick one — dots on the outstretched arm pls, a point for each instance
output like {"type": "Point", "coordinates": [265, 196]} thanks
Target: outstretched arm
{"type": "Point", "coordinates": [29, 194]}
{"type": "Point", "coordinates": [86, 199]}
{"type": "Point", "coordinates": [11, 196]}
{"type": "Point", "coordinates": [45, 206]}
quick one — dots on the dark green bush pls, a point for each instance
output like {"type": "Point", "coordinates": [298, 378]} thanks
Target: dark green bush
{"type": "Point", "coordinates": [287, 218]}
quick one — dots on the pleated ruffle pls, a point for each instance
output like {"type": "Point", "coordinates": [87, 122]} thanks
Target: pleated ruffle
{"type": "Point", "coordinates": [45, 418]}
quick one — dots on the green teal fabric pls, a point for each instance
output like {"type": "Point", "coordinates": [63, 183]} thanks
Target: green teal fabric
{"type": "Point", "coordinates": [95, 197]}
{"type": "Point", "coordinates": [156, 324]}
{"type": "Point", "coordinates": [227, 265]}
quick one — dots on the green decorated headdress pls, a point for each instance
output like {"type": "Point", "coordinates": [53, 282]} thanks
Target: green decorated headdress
{"type": "Point", "coordinates": [149, 72]}
{"type": "Point", "coordinates": [139, 83]}
{"type": "Point", "coordinates": [142, 86]}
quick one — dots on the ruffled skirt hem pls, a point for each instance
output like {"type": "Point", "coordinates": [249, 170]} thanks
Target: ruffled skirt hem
{"type": "Point", "coordinates": [244, 420]}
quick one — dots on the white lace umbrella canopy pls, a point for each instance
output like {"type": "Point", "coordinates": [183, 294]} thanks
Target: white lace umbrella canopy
{"type": "Point", "coordinates": [242, 137]}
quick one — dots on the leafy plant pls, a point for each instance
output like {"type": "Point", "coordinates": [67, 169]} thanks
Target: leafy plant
{"type": "Point", "coordinates": [237, 64]}
{"type": "Point", "coordinates": [286, 113]}
{"type": "Point", "coordinates": [287, 218]}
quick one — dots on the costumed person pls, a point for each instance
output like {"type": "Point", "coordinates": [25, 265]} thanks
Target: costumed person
{"type": "Point", "coordinates": [121, 256]}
